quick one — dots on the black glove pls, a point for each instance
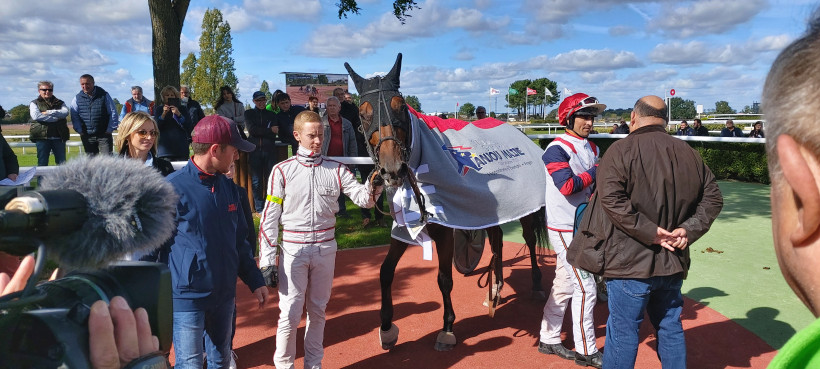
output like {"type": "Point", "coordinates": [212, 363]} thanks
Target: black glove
{"type": "Point", "coordinates": [376, 180]}
{"type": "Point", "coordinates": [271, 276]}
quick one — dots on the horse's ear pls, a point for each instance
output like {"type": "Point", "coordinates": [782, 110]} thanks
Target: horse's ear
{"type": "Point", "coordinates": [357, 79]}
{"type": "Point", "coordinates": [395, 73]}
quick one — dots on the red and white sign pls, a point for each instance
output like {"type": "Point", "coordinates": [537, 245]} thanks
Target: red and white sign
{"type": "Point", "coordinates": [531, 91]}
{"type": "Point", "coordinates": [672, 92]}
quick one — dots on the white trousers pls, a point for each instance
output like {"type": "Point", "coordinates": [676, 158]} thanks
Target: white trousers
{"type": "Point", "coordinates": [305, 277]}
{"type": "Point", "coordinates": [575, 283]}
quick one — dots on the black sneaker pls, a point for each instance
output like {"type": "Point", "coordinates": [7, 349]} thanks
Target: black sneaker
{"type": "Point", "coordinates": [595, 360]}
{"type": "Point", "coordinates": [556, 349]}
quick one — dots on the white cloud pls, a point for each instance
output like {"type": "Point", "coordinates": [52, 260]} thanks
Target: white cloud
{"type": "Point", "coordinates": [464, 55]}
{"type": "Point", "coordinates": [597, 77]}
{"type": "Point", "coordinates": [591, 60]}
{"type": "Point", "coordinates": [621, 31]}
{"type": "Point", "coordinates": [698, 52]}
{"type": "Point", "coordinates": [302, 10]}
{"type": "Point", "coordinates": [705, 17]}
{"type": "Point", "coordinates": [242, 19]}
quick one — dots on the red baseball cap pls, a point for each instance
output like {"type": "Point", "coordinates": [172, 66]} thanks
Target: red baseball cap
{"type": "Point", "coordinates": [576, 102]}
{"type": "Point", "coordinates": [215, 129]}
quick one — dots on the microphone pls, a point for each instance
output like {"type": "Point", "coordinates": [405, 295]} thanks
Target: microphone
{"type": "Point", "coordinates": [93, 210]}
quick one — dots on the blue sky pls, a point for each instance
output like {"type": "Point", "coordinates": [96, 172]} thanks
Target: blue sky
{"type": "Point", "coordinates": [454, 51]}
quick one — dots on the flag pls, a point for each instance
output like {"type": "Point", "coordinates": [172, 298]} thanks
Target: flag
{"type": "Point", "coordinates": [530, 91]}
{"type": "Point", "coordinates": [494, 91]}
{"type": "Point", "coordinates": [513, 91]}
{"type": "Point", "coordinates": [547, 92]}
{"type": "Point", "coordinates": [567, 92]}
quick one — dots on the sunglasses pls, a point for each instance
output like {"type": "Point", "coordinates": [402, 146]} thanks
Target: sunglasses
{"type": "Point", "coordinates": [143, 133]}
{"type": "Point", "coordinates": [47, 89]}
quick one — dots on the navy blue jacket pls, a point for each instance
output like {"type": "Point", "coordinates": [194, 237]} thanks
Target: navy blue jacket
{"type": "Point", "coordinates": [95, 114]}
{"type": "Point", "coordinates": [210, 247]}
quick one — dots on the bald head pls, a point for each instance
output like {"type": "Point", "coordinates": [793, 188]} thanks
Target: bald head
{"type": "Point", "coordinates": [649, 110]}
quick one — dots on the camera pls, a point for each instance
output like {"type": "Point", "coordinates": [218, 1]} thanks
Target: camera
{"type": "Point", "coordinates": [46, 325]}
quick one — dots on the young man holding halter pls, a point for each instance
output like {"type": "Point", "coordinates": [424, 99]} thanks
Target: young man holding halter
{"type": "Point", "coordinates": [571, 162]}
{"type": "Point", "coordinates": [303, 196]}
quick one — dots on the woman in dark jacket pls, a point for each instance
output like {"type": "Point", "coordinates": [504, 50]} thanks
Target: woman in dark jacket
{"type": "Point", "coordinates": [757, 130]}
{"type": "Point", "coordinates": [137, 138]}
{"type": "Point", "coordinates": [174, 123]}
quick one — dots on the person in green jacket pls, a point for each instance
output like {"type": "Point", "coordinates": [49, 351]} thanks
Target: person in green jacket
{"type": "Point", "coordinates": [793, 148]}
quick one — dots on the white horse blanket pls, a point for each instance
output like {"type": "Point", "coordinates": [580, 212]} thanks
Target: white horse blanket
{"type": "Point", "coordinates": [472, 175]}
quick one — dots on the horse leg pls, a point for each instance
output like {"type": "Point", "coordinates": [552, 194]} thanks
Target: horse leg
{"type": "Point", "coordinates": [528, 230]}
{"type": "Point", "coordinates": [389, 332]}
{"type": "Point", "coordinates": [496, 237]}
{"type": "Point", "coordinates": [443, 236]}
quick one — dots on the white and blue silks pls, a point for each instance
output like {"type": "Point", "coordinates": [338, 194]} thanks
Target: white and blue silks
{"type": "Point", "coordinates": [472, 176]}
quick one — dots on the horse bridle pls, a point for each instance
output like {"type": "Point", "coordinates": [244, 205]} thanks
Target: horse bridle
{"type": "Point", "coordinates": [403, 147]}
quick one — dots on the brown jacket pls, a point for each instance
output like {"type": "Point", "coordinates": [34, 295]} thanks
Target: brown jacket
{"type": "Point", "coordinates": [647, 180]}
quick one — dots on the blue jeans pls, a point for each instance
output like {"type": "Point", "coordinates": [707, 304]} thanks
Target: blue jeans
{"type": "Point", "coordinates": [660, 297]}
{"type": "Point", "coordinates": [97, 143]}
{"type": "Point", "coordinates": [46, 147]}
{"type": "Point", "coordinates": [215, 324]}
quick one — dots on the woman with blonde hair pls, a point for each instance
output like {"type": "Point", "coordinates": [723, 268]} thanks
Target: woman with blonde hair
{"type": "Point", "coordinates": [137, 139]}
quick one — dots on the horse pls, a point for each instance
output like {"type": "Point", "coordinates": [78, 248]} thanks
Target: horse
{"type": "Point", "coordinates": [385, 123]}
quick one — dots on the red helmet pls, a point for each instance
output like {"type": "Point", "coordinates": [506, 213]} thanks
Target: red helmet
{"type": "Point", "coordinates": [576, 102]}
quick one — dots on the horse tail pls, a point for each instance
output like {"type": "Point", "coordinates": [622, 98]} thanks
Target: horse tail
{"type": "Point", "coordinates": [540, 227]}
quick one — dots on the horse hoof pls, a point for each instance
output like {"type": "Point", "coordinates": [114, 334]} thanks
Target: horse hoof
{"type": "Point", "coordinates": [445, 341]}
{"type": "Point", "coordinates": [389, 337]}
{"type": "Point", "coordinates": [539, 295]}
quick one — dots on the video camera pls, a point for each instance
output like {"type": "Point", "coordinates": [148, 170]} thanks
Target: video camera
{"type": "Point", "coordinates": [46, 324]}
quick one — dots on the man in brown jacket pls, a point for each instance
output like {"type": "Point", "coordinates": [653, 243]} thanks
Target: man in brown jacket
{"type": "Point", "coordinates": [655, 197]}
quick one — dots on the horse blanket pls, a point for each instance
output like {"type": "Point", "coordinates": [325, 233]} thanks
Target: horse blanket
{"type": "Point", "coordinates": [472, 176]}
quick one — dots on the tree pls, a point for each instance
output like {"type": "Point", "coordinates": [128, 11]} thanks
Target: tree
{"type": "Point", "coordinates": [266, 89]}
{"type": "Point", "coordinates": [747, 109]}
{"type": "Point", "coordinates": [117, 105]}
{"type": "Point", "coordinates": [515, 97]}
{"type": "Point", "coordinates": [321, 79]}
{"type": "Point", "coordinates": [215, 64]}
{"type": "Point", "coordinates": [413, 101]}
{"type": "Point", "coordinates": [682, 109]}
{"type": "Point", "coordinates": [518, 99]}
{"type": "Point", "coordinates": [468, 110]}
{"type": "Point", "coordinates": [167, 17]}
{"type": "Point", "coordinates": [188, 71]}
{"type": "Point", "coordinates": [19, 114]}
{"type": "Point", "coordinates": [355, 98]}
{"type": "Point", "coordinates": [722, 107]}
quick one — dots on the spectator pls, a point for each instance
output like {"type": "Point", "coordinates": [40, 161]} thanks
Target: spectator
{"type": "Point", "coordinates": [623, 128]}
{"type": "Point", "coordinates": [9, 168]}
{"type": "Point", "coordinates": [137, 102]}
{"type": "Point", "coordinates": [792, 150]}
{"type": "Point", "coordinates": [655, 196]}
{"type": "Point", "coordinates": [757, 130]}
{"type": "Point", "coordinates": [699, 129]}
{"type": "Point", "coordinates": [339, 140]}
{"type": "Point", "coordinates": [613, 129]}
{"type": "Point", "coordinates": [685, 130]}
{"type": "Point", "coordinates": [350, 112]}
{"type": "Point", "coordinates": [313, 105]}
{"type": "Point", "coordinates": [731, 130]}
{"type": "Point", "coordinates": [229, 106]}
{"type": "Point", "coordinates": [480, 112]}
{"type": "Point", "coordinates": [49, 128]}
{"type": "Point", "coordinates": [175, 127]}
{"type": "Point", "coordinates": [349, 97]}
{"type": "Point", "coordinates": [287, 113]}
{"type": "Point", "coordinates": [94, 117]}
{"type": "Point", "coordinates": [262, 129]}
{"type": "Point", "coordinates": [137, 138]}
{"type": "Point", "coordinates": [571, 161]}
{"type": "Point", "coordinates": [272, 104]}
{"type": "Point", "coordinates": [194, 109]}
{"type": "Point", "coordinates": [308, 244]}
{"type": "Point", "coordinates": [210, 248]}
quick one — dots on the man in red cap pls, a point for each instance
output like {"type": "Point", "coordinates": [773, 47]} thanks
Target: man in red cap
{"type": "Point", "coordinates": [210, 248]}
{"type": "Point", "coordinates": [571, 162]}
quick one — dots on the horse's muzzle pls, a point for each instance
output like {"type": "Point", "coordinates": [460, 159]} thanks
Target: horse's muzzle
{"type": "Point", "coordinates": [394, 178]}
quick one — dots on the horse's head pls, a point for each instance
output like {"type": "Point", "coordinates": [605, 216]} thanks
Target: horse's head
{"type": "Point", "coordinates": [385, 122]}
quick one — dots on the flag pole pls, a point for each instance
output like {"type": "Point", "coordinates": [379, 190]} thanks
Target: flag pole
{"type": "Point", "coordinates": [526, 102]}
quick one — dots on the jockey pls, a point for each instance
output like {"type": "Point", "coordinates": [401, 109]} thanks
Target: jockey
{"type": "Point", "coordinates": [571, 161]}
{"type": "Point", "coordinates": [303, 196]}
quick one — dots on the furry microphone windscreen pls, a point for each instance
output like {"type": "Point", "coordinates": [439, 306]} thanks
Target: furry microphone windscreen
{"type": "Point", "coordinates": [130, 208]}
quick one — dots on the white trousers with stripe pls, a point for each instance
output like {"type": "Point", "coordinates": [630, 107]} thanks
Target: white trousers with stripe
{"type": "Point", "coordinates": [574, 283]}
{"type": "Point", "coordinates": [305, 278]}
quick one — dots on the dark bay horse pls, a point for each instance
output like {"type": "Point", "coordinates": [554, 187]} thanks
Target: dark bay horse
{"type": "Point", "coordinates": [386, 125]}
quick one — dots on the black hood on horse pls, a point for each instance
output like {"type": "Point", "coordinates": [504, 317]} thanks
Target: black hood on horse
{"type": "Point", "coordinates": [379, 92]}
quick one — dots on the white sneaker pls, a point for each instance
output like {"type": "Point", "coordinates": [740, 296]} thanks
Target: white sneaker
{"type": "Point", "coordinates": [232, 365]}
